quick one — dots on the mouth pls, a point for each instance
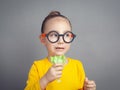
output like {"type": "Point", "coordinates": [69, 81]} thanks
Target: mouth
{"type": "Point", "coordinates": [59, 48]}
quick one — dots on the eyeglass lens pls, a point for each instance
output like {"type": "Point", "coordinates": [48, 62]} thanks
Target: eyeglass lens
{"type": "Point", "coordinates": [54, 36]}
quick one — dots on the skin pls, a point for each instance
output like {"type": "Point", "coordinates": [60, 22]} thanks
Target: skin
{"type": "Point", "coordinates": [60, 25]}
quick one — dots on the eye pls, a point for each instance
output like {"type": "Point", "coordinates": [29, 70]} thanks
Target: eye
{"type": "Point", "coordinates": [53, 34]}
{"type": "Point", "coordinates": [69, 35]}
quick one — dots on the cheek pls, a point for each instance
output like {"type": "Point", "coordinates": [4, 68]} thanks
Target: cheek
{"type": "Point", "coordinates": [67, 46]}
{"type": "Point", "coordinates": [46, 42]}
{"type": "Point", "coordinates": [49, 45]}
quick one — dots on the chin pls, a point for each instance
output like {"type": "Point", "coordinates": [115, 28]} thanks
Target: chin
{"type": "Point", "coordinates": [59, 54]}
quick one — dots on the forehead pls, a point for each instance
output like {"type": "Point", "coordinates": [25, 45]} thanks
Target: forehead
{"type": "Point", "coordinates": [58, 24]}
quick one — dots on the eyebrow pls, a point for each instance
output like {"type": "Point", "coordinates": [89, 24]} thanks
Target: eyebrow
{"type": "Point", "coordinates": [63, 32]}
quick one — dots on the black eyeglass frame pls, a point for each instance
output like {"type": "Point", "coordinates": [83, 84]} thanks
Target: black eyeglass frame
{"type": "Point", "coordinates": [47, 35]}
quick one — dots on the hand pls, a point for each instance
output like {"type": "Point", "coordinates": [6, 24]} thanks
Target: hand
{"type": "Point", "coordinates": [54, 72]}
{"type": "Point", "coordinates": [89, 84]}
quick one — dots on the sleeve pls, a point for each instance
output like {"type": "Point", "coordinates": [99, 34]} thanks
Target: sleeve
{"type": "Point", "coordinates": [81, 74]}
{"type": "Point", "coordinates": [33, 82]}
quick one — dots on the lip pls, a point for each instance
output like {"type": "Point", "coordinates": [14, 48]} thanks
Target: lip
{"type": "Point", "coordinates": [59, 48]}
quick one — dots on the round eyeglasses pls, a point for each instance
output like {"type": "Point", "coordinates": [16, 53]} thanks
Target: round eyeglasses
{"type": "Point", "coordinates": [54, 36]}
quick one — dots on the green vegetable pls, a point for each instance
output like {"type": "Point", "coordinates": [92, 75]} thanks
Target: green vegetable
{"type": "Point", "coordinates": [58, 59]}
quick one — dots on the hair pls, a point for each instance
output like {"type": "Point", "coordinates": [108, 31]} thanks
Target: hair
{"type": "Point", "coordinates": [51, 15]}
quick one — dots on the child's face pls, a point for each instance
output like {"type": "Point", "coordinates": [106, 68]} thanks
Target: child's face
{"type": "Point", "coordinates": [61, 26]}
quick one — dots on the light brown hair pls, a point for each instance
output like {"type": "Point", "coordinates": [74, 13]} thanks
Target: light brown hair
{"type": "Point", "coordinates": [51, 15]}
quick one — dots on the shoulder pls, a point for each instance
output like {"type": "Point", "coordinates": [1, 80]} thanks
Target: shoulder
{"type": "Point", "coordinates": [75, 61]}
{"type": "Point", "coordinates": [77, 65]}
{"type": "Point", "coordinates": [40, 62]}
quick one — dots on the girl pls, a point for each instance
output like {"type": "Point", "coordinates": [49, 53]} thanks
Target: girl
{"type": "Point", "coordinates": [56, 36]}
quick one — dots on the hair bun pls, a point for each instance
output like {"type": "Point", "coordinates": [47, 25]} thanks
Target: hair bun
{"type": "Point", "coordinates": [54, 13]}
{"type": "Point", "coordinates": [51, 15]}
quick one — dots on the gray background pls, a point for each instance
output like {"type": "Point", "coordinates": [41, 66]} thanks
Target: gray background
{"type": "Point", "coordinates": [97, 45]}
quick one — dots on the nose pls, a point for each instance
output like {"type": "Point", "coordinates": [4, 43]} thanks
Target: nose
{"type": "Point", "coordinates": [60, 39]}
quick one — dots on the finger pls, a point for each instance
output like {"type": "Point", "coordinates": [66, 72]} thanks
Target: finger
{"type": "Point", "coordinates": [59, 73]}
{"type": "Point", "coordinates": [59, 68]}
{"type": "Point", "coordinates": [86, 79]}
{"type": "Point", "coordinates": [57, 65]}
{"type": "Point", "coordinates": [89, 88]}
{"type": "Point", "coordinates": [90, 84]}
{"type": "Point", "coordinates": [59, 76]}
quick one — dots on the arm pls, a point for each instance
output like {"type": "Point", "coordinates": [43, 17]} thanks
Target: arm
{"type": "Point", "coordinates": [33, 82]}
{"type": "Point", "coordinates": [86, 84]}
{"type": "Point", "coordinates": [43, 83]}
{"type": "Point", "coordinates": [53, 73]}
{"type": "Point", "coordinates": [81, 74]}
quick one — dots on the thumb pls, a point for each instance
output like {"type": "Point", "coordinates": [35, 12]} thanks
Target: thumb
{"type": "Point", "coordinates": [86, 79]}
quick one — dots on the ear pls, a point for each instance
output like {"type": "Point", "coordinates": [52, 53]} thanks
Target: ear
{"type": "Point", "coordinates": [42, 39]}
